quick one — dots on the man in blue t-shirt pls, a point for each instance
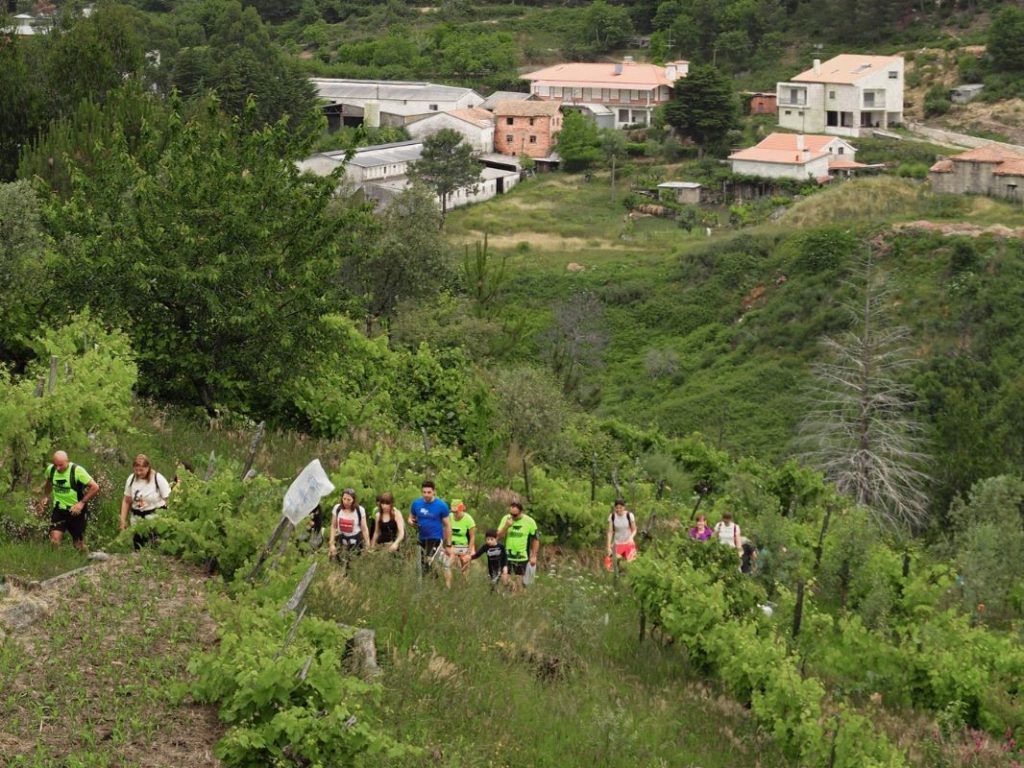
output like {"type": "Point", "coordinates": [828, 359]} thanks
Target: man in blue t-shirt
{"type": "Point", "coordinates": [429, 516]}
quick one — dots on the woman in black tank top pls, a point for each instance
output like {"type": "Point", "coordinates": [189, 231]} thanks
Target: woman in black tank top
{"type": "Point", "coordinates": [388, 526]}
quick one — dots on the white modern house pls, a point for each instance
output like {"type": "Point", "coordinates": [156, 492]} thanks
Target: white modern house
{"type": "Point", "coordinates": [475, 124]}
{"type": "Point", "coordinates": [796, 156]}
{"type": "Point", "coordinates": [390, 102]}
{"type": "Point", "coordinates": [849, 95]}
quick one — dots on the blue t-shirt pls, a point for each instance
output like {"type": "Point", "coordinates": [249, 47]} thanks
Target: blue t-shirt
{"type": "Point", "coordinates": [429, 518]}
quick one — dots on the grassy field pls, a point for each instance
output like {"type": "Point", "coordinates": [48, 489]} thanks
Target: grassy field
{"type": "Point", "coordinates": [552, 677]}
{"type": "Point", "coordinates": [36, 561]}
{"type": "Point", "coordinates": [99, 680]}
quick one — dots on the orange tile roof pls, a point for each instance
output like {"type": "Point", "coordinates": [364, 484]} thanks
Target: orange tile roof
{"type": "Point", "coordinates": [990, 153]}
{"type": "Point", "coordinates": [815, 142]}
{"type": "Point", "coordinates": [603, 74]}
{"type": "Point", "coordinates": [1010, 168]}
{"type": "Point", "coordinates": [787, 156]}
{"type": "Point", "coordinates": [526, 108]}
{"type": "Point", "coordinates": [945, 165]}
{"type": "Point", "coordinates": [479, 117]}
{"type": "Point", "coordinates": [846, 68]}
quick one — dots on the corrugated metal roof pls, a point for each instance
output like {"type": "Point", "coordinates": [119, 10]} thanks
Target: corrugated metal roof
{"type": "Point", "coordinates": [388, 90]}
{"type": "Point", "coordinates": [386, 154]}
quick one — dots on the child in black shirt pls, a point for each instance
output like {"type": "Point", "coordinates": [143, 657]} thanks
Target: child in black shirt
{"type": "Point", "coordinates": [497, 561]}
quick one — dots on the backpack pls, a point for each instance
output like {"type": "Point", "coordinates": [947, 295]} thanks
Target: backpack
{"type": "Point", "coordinates": [630, 519]}
{"type": "Point", "coordinates": [76, 485]}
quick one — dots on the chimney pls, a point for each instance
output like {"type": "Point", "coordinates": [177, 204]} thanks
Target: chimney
{"type": "Point", "coordinates": [817, 66]}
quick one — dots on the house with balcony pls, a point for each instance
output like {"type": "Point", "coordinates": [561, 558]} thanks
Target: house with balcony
{"type": "Point", "coordinates": [796, 156]}
{"type": "Point", "coordinates": [526, 127]}
{"type": "Point", "coordinates": [849, 95]}
{"type": "Point", "coordinates": [632, 90]}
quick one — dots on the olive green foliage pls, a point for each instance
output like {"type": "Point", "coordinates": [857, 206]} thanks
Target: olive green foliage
{"type": "Point", "coordinates": [1005, 38]}
{"type": "Point", "coordinates": [703, 107]}
{"type": "Point", "coordinates": [223, 256]}
{"type": "Point", "coordinates": [446, 166]}
{"type": "Point", "coordinates": [604, 28]}
{"type": "Point", "coordinates": [578, 142]}
{"type": "Point", "coordinates": [24, 251]}
{"type": "Point", "coordinates": [90, 400]}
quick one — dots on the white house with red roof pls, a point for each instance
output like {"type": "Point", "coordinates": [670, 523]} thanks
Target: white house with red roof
{"type": "Point", "coordinates": [996, 170]}
{"type": "Point", "coordinates": [796, 156]}
{"type": "Point", "coordinates": [474, 123]}
{"type": "Point", "coordinates": [848, 95]}
{"type": "Point", "coordinates": [629, 88]}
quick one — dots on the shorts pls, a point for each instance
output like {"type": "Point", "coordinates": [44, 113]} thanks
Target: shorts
{"type": "Point", "coordinates": [62, 520]}
{"type": "Point", "coordinates": [461, 549]}
{"type": "Point", "coordinates": [626, 551]}
{"type": "Point", "coordinates": [517, 569]}
{"type": "Point", "coordinates": [428, 548]}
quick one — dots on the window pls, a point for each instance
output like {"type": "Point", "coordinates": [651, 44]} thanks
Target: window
{"type": "Point", "coordinates": [510, 121]}
{"type": "Point", "coordinates": [788, 112]}
{"type": "Point", "coordinates": [556, 92]}
{"type": "Point", "coordinates": [840, 150]}
{"type": "Point", "coordinates": [508, 138]}
{"type": "Point", "coordinates": [894, 75]}
{"type": "Point", "coordinates": [831, 94]}
{"type": "Point", "coordinates": [433, 107]}
{"type": "Point", "coordinates": [531, 121]}
{"type": "Point", "coordinates": [533, 139]}
{"type": "Point", "coordinates": [623, 115]}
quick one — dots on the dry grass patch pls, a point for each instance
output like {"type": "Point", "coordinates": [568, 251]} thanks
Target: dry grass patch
{"type": "Point", "coordinates": [100, 680]}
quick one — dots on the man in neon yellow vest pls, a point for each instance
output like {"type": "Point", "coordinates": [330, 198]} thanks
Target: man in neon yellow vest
{"type": "Point", "coordinates": [72, 489]}
{"type": "Point", "coordinates": [522, 541]}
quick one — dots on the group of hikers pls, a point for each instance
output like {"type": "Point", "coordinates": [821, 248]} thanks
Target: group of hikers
{"type": "Point", "coordinates": [447, 535]}
{"type": "Point", "coordinates": [727, 533]}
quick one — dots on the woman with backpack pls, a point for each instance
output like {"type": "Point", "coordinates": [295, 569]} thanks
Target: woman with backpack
{"type": "Point", "coordinates": [388, 525]}
{"type": "Point", "coordinates": [349, 531]}
{"type": "Point", "coordinates": [145, 493]}
{"type": "Point", "coordinates": [728, 533]}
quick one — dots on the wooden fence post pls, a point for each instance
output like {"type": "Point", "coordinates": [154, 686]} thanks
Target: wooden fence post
{"type": "Point", "coordinates": [254, 446]}
{"type": "Point", "coordinates": [51, 382]}
{"type": "Point", "coordinates": [526, 478]}
{"type": "Point", "coordinates": [267, 547]}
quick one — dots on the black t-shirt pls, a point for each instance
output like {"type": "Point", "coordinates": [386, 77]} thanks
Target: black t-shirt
{"type": "Point", "coordinates": [388, 529]}
{"type": "Point", "coordinates": [496, 558]}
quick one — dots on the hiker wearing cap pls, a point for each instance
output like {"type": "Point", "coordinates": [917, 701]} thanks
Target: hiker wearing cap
{"type": "Point", "coordinates": [349, 531]}
{"type": "Point", "coordinates": [463, 538]}
{"type": "Point", "coordinates": [71, 488]}
{"type": "Point", "coordinates": [522, 541]}
{"type": "Point", "coordinates": [431, 518]}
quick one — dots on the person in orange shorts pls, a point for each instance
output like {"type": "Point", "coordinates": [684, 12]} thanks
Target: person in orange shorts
{"type": "Point", "coordinates": [621, 533]}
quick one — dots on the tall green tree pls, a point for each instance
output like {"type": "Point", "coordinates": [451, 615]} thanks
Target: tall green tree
{"type": "Point", "coordinates": [24, 252]}
{"type": "Point", "coordinates": [22, 102]}
{"type": "Point", "coordinates": [1006, 39]}
{"type": "Point", "coordinates": [604, 27]}
{"type": "Point", "coordinates": [704, 107]}
{"type": "Point", "coordinates": [221, 258]}
{"type": "Point", "coordinates": [579, 144]}
{"type": "Point", "coordinates": [446, 165]}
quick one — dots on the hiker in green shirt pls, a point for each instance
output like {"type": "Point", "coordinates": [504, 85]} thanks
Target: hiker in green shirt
{"type": "Point", "coordinates": [463, 540]}
{"type": "Point", "coordinates": [522, 541]}
{"type": "Point", "coordinates": [71, 489]}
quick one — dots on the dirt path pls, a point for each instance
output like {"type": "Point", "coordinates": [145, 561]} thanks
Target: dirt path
{"type": "Point", "coordinates": [100, 678]}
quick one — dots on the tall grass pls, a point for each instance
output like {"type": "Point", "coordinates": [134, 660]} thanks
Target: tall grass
{"type": "Point", "coordinates": [38, 560]}
{"type": "Point", "coordinates": [552, 677]}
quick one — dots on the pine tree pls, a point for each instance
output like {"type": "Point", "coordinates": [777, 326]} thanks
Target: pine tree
{"type": "Point", "coordinates": [704, 108]}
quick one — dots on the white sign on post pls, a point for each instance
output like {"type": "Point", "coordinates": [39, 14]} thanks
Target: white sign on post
{"type": "Point", "coordinates": [305, 492]}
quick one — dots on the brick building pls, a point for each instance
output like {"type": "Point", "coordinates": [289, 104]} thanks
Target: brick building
{"type": "Point", "coordinates": [526, 127]}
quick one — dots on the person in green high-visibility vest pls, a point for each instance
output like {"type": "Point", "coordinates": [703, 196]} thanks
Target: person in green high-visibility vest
{"type": "Point", "coordinates": [71, 489]}
{"type": "Point", "coordinates": [522, 542]}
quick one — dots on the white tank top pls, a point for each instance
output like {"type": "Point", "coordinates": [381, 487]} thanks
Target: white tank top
{"type": "Point", "coordinates": [727, 533]}
{"type": "Point", "coordinates": [620, 526]}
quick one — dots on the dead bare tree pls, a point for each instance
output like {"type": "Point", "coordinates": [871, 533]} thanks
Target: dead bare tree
{"type": "Point", "coordinates": [859, 428]}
